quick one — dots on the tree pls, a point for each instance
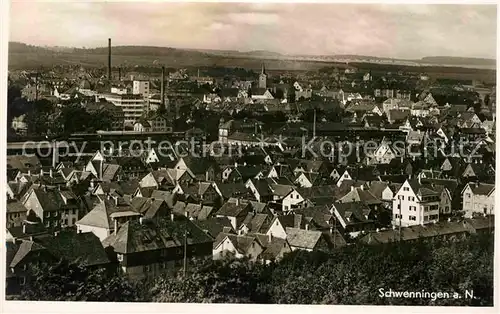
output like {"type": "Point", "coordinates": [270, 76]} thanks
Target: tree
{"type": "Point", "coordinates": [39, 119]}
{"type": "Point", "coordinates": [70, 282]}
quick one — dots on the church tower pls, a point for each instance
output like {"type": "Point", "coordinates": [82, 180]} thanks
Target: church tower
{"type": "Point", "coordinates": [263, 77]}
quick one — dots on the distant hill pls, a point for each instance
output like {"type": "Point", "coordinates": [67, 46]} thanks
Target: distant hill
{"type": "Point", "coordinates": [22, 56]}
{"type": "Point", "coordinates": [16, 47]}
{"type": "Point", "coordinates": [459, 61]}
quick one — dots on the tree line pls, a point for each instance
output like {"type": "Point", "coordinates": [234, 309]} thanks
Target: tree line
{"type": "Point", "coordinates": [349, 275]}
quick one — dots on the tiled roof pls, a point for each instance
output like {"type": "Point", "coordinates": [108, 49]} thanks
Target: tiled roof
{"type": "Point", "coordinates": [99, 216]}
{"type": "Point", "coordinates": [24, 249]}
{"type": "Point", "coordinates": [149, 235]}
{"type": "Point", "coordinates": [15, 207]}
{"type": "Point", "coordinates": [482, 188]}
{"type": "Point", "coordinates": [231, 209]}
{"type": "Point", "coordinates": [304, 239]}
{"type": "Point", "coordinates": [82, 248]}
{"type": "Point", "coordinates": [214, 226]}
{"type": "Point", "coordinates": [148, 207]}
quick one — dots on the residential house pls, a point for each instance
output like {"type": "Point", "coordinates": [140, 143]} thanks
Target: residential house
{"type": "Point", "coordinates": [385, 152]}
{"type": "Point", "coordinates": [478, 198]}
{"type": "Point", "coordinates": [353, 217]}
{"type": "Point", "coordinates": [56, 208]}
{"type": "Point", "coordinates": [235, 211]}
{"type": "Point", "coordinates": [227, 244]}
{"type": "Point", "coordinates": [203, 169]}
{"type": "Point", "coordinates": [16, 213]}
{"type": "Point", "coordinates": [101, 221]}
{"type": "Point", "coordinates": [306, 240]}
{"type": "Point", "coordinates": [415, 204]}
{"type": "Point", "coordinates": [148, 248]}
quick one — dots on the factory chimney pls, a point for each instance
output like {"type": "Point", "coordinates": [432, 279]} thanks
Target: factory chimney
{"type": "Point", "coordinates": [109, 59]}
{"type": "Point", "coordinates": [162, 105]}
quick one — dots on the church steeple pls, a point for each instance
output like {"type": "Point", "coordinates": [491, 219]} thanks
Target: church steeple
{"type": "Point", "coordinates": [263, 77]}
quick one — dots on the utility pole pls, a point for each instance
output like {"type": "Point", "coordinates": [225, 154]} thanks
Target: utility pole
{"type": "Point", "coordinates": [185, 249]}
{"type": "Point", "coordinates": [400, 217]}
{"type": "Point", "coordinates": [314, 125]}
{"type": "Point", "coordinates": [334, 232]}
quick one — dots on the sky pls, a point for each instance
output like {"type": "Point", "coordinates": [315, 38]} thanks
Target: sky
{"type": "Point", "coordinates": [382, 30]}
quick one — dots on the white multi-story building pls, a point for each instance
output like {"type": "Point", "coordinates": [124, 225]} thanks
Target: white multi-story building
{"type": "Point", "coordinates": [415, 204]}
{"type": "Point", "coordinates": [132, 105]}
{"type": "Point", "coordinates": [119, 90]}
{"type": "Point", "coordinates": [141, 88]}
{"type": "Point", "coordinates": [478, 198]}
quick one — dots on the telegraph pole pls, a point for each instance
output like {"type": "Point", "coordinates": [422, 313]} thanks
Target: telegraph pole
{"type": "Point", "coordinates": [400, 217]}
{"type": "Point", "coordinates": [185, 250]}
{"type": "Point", "coordinates": [334, 232]}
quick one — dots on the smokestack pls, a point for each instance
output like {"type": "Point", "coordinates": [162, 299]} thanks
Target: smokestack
{"type": "Point", "coordinates": [109, 59]}
{"type": "Point", "coordinates": [162, 88]}
{"type": "Point", "coordinates": [119, 74]}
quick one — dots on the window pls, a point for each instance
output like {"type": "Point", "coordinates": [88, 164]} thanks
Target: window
{"type": "Point", "coordinates": [147, 268]}
{"type": "Point", "coordinates": [426, 218]}
{"type": "Point", "coordinates": [467, 195]}
{"type": "Point", "coordinates": [397, 216]}
{"type": "Point", "coordinates": [399, 206]}
{"type": "Point", "coordinates": [119, 257]}
{"type": "Point", "coordinates": [73, 211]}
{"type": "Point", "coordinates": [73, 221]}
{"type": "Point", "coordinates": [413, 208]}
{"type": "Point", "coordinates": [297, 196]}
{"type": "Point", "coordinates": [47, 214]}
{"type": "Point", "coordinates": [413, 218]}
{"type": "Point", "coordinates": [406, 188]}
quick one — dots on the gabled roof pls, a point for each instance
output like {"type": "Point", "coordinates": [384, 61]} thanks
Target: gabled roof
{"type": "Point", "coordinates": [148, 207]}
{"type": "Point", "coordinates": [281, 190]}
{"type": "Point", "coordinates": [15, 207]}
{"type": "Point", "coordinates": [53, 199]}
{"type": "Point", "coordinates": [361, 195]}
{"type": "Point", "coordinates": [198, 165]}
{"type": "Point", "coordinates": [24, 249]}
{"type": "Point", "coordinates": [148, 235]}
{"type": "Point", "coordinates": [273, 248]}
{"type": "Point", "coordinates": [353, 212]}
{"type": "Point", "coordinates": [233, 209]}
{"type": "Point", "coordinates": [303, 239]}
{"type": "Point", "coordinates": [228, 190]}
{"type": "Point", "coordinates": [82, 248]}
{"type": "Point", "coordinates": [214, 226]}
{"type": "Point", "coordinates": [377, 187]}
{"type": "Point", "coordinates": [482, 188]}
{"type": "Point", "coordinates": [257, 223]}
{"type": "Point", "coordinates": [99, 216]}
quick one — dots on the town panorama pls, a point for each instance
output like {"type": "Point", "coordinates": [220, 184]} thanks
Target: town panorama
{"type": "Point", "coordinates": [143, 173]}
